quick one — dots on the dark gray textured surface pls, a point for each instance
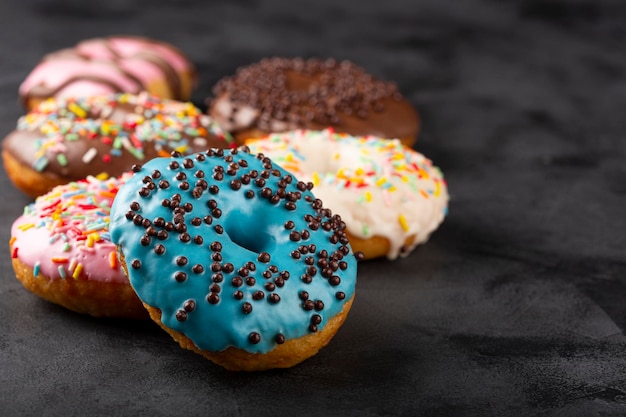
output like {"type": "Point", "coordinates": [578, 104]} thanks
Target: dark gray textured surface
{"type": "Point", "coordinates": [516, 305]}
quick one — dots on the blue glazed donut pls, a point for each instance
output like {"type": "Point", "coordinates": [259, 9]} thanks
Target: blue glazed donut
{"type": "Point", "coordinates": [230, 253]}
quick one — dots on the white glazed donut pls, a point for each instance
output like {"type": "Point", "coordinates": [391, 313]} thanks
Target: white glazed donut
{"type": "Point", "coordinates": [390, 197]}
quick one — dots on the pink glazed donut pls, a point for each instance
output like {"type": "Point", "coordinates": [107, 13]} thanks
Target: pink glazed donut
{"type": "Point", "coordinates": [116, 64]}
{"type": "Point", "coordinates": [61, 250]}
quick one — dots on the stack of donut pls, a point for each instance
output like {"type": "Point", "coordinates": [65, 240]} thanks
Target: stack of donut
{"type": "Point", "coordinates": [148, 207]}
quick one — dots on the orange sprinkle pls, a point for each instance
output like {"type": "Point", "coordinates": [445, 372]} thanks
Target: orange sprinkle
{"type": "Point", "coordinates": [113, 260]}
{"type": "Point", "coordinates": [60, 260]}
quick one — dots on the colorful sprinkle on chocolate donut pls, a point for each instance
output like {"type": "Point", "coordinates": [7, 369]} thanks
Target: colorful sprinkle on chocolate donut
{"type": "Point", "coordinates": [68, 139]}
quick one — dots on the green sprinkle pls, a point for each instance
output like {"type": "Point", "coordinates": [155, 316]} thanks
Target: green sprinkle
{"type": "Point", "coordinates": [117, 143]}
{"type": "Point", "coordinates": [62, 159]}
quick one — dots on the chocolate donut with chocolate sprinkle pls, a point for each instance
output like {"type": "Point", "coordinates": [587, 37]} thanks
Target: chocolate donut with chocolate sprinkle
{"type": "Point", "coordinates": [282, 94]}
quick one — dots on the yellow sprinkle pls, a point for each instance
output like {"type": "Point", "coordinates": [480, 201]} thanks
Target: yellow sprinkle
{"type": "Point", "coordinates": [25, 226]}
{"type": "Point", "coordinates": [182, 149]}
{"type": "Point", "coordinates": [403, 222]}
{"type": "Point", "coordinates": [77, 110]}
{"type": "Point", "coordinates": [359, 171]}
{"type": "Point", "coordinates": [381, 181]}
{"type": "Point", "coordinates": [102, 176]}
{"type": "Point", "coordinates": [316, 179]}
{"type": "Point", "coordinates": [437, 188]}
{"type": "Point", "coordinates": [368, 196]}
{"type": "Point", "coordinates": [105, 128]}
{"type": "Point", "coordinates": [77, 271]}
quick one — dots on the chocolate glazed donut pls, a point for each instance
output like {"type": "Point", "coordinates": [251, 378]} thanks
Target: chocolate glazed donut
{"type": "Point", "coordinates": [282, 94]}
{"type": "Point", "coordinates": [66, 140]}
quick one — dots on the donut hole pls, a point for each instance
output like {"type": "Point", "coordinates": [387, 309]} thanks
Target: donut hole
{"type": "Point", "coordinates": [255, 236]}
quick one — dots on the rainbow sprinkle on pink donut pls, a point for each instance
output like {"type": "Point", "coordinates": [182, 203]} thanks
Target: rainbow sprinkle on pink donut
{"type": "Point", "coordinates": [65, 234]}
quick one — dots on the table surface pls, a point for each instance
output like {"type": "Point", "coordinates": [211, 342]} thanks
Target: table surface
{"type": "Point", "coordinates": [516, 304]}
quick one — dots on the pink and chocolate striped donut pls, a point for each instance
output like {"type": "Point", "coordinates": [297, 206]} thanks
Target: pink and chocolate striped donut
{"type": "Point", "coordinates": [116, 64]}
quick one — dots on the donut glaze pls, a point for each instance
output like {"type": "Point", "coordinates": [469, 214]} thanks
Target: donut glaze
{"type": "Point", "coordinates": [232, 249]}
{"type": "Point", "coordinates": [378, 186]}
{"type": "Point", "coordinates": [117, 64]}
{"type": "Point", "coordinates": [67, 140]}
{"type": "Point", "coordinates": [282, 94]}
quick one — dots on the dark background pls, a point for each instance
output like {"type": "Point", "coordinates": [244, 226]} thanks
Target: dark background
{"type": "Point", "coordinates": [515, 307]}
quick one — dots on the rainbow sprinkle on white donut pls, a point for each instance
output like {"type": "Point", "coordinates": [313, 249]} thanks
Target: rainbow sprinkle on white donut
{"type": "Point", "coordinates": [378, 186]}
